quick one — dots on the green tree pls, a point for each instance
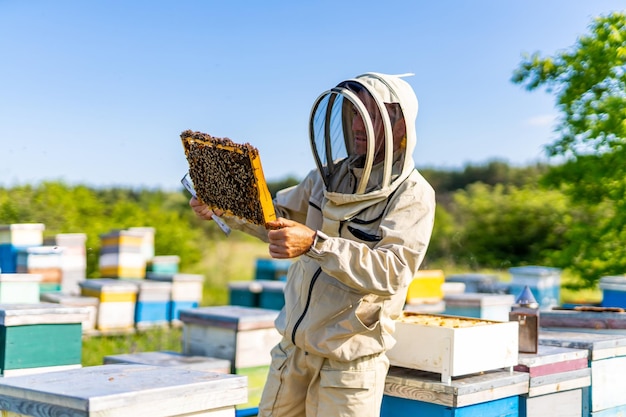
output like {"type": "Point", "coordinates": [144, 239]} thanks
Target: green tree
{"type": "Point", "coordinates": [589, 83]}
{"type": "Point", "coordinates": [502, 226]}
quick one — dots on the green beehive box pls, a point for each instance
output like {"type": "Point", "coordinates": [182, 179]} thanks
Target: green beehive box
{"type": "Point", "coordinates": [39, 337]}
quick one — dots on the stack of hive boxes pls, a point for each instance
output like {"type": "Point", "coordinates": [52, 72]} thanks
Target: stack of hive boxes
{"type": "Point", "coordinates": [73, 260]}
{"type": "Point", "coordinates": [122, 255]}
{"type": "Point", "coordinates": [17, 237]}
{"type": "Point", "coordinates": [45, 261]}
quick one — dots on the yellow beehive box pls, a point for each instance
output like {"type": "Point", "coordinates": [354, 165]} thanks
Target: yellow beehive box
{"type": "Point", "coordinates": [426, 287]}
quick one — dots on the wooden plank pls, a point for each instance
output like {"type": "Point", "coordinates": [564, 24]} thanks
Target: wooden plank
{"type": "Point", "coordinates": [122, 391]}
{"type": "Point", "coordinates": [558, 404]}
{"type": "Point", "coordinates": [174, 359]}
{"type": "Point", "coordinates": [231, 317]}
{"type": "Point", "coordinates": [395, 406]}
{"type": "Point", "coordinates": [608, 378]}
{"type": "Point", "coordinates": [600, 346]}
{"type": "Point", "coordinates": [564, 381]}
{"type": "Point", "coordinates": [592, 320]}
{"type": "Point", "coordinates": [552, 359]}
{"type": "Point", "coordinates": [426, 386]}
{"type": "Point", "coordinates": [41, 313]}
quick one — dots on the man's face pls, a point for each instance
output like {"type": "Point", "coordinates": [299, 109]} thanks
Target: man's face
{"type": "Point", "coordinates": [358, 125]}
{"type": "Point", "coordinates": [358, 128]}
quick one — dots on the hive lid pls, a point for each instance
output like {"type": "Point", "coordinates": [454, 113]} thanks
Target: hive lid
{"type": "Point", "coordinates": [228, 176]}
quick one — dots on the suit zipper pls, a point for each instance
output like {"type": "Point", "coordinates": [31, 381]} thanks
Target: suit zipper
{"type": "Point", "coordinates": [306, 306]}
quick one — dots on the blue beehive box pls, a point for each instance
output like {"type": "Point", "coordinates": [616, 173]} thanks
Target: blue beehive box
{"type": "Point", "coordinates": [153, 302]}
{"type": "Point", "coordinates": [16, 237]}
{"type": "Point", "coordinates": [613, 291]}
{"type": "Point", "coordinates": [409, 392]}
{"type": "Point", "coordinates": [186, 292]}
{"type": "Point", "coordinates": [544, 283]}
{"type": "Point", "coordinates": [271, 269]}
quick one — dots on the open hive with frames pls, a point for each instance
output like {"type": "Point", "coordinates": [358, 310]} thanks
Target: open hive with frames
{"type": "Point", "coordinates": [228, 176]}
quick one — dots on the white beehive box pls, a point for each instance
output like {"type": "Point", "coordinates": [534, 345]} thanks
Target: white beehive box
{"type": "Point", "coordinates": [453, 346]}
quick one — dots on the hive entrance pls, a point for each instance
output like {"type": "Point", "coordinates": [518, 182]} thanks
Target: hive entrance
{"type": "Point", "coordinates": [228, 176]}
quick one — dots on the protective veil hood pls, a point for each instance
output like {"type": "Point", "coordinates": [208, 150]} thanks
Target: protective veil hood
{"type": "Point", "coordinates": [362, 136]}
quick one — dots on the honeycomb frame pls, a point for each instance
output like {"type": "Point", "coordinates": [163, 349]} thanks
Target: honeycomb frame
{"type": "Point", "coordinates": [228, 176]}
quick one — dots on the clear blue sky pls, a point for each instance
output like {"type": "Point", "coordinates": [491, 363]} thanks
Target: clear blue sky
{"type": "Point", "coordinates": [98, 92]}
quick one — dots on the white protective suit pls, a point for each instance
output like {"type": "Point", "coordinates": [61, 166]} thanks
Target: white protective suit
{"type": "Point", "coordinates": [373, 213]}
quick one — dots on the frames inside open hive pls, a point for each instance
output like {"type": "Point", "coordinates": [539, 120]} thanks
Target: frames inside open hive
{"type": "Point", "coordinates": [228, 176]}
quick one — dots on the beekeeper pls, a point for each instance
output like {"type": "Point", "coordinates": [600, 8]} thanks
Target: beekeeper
{"type": "Point", "coordinates": [359, 226]}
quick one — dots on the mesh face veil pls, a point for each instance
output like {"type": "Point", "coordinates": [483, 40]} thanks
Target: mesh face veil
{"type": "Point", "coordinates": [358, 140]}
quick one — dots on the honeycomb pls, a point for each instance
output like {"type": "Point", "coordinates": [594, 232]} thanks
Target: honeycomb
{"type": "Point", "coordinates": [228, 176]}
{"type": "Point", "coordinates": [440, 321]}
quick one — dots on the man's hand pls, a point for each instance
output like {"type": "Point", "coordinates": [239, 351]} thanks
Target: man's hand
{"type": "Point", "coordinates": [289, 239]}
{"type": "Point", "coordinates": [202, 210]}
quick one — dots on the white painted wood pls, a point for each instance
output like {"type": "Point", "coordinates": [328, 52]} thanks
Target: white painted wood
{"type": "Point", "coordinates": [20, 288]}
{"type": "Point", "coordinates": [40, 313]}
{"type": "Point", "coordinates": [90, 304]}
{"type": "Point", "coordinates": [29, 371]}
{"type": "Point", "coordinates": [608, 377]}
{"type": "Point", "coordinates": [185, 287]}
{"type": "Point", "coordinates": [175, 359]}
{"type": "Point", "coordinates": [22, 234]}
{"type": "Point", "coordinates": [471, 349]}
{"type": "Point", "coordinates": [116, 315]}
{"type": "Point", "coordinates": [599, 345]}
{"type": "Point", "coordinates": [124, 391]}
{"type": "Point", "coordinates": [562, 381]}
{"type": "Point", "coordinates": [149, 290]}
{"type": "Point", "coordinates": [126, 259]}
{"type": "Point", "coordinates": [547, 355]}
{"type": "Point", "coordinates": [560, 404]}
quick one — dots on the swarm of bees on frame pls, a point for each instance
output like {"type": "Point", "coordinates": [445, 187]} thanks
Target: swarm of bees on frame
{"type": "Point", "coordinates": [224, 177]}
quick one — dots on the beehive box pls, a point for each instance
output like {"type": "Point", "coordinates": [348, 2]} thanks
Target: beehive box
{"type": "Point", "coordinates": [418, 393]}
{"type": "Point", "coordinates": [228, 176]}
{"type": "Point", "coordinates": [153, 302]}
{"type": "Point", "coordinates": [43, 260]}
{"type": "Point", "coordinates": [90, 304]}
{"type": "Point", "coordinates": [147, 240]}
{"type": "Point", "coordinates": [173, 359]}
{"type": "Point", "coordinates": [242, 335]}
{"type": "Point", "coordinates": [613, 291]}
{"type": "Point", "coordinates": [40, 337]}
{"type": "Point", "coordinates": [558, 377]}
{"type": "Point", "coordinates": [14, 237]}
{"type": "Point", "coordinates": [607, 360]}
{"type": "Point", "coordinates": [483, 306]}
{"type": "Point", "coordinates": [123, 390]}
{"type": "Point", "coordinates": [271, 269]}
{"type": "Point", "coordinates": [544, 283]}
{"type": "Point", "coordinates": [164, 264]}
{"type": "Point", "coordinates": [455, 345]}
{"type": "Point", "coordinates": [482, 283]}
{"type": "Point", "coordinates": [186, 292]}
{"type": "Point", "coordinates": [426, 287]}
{"type": "Point", "coordinates": [117, 300]}
{"type": "Point", "coordinates": [73, 259]}
{"type": "Point", "coordinates": [19, 288]}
